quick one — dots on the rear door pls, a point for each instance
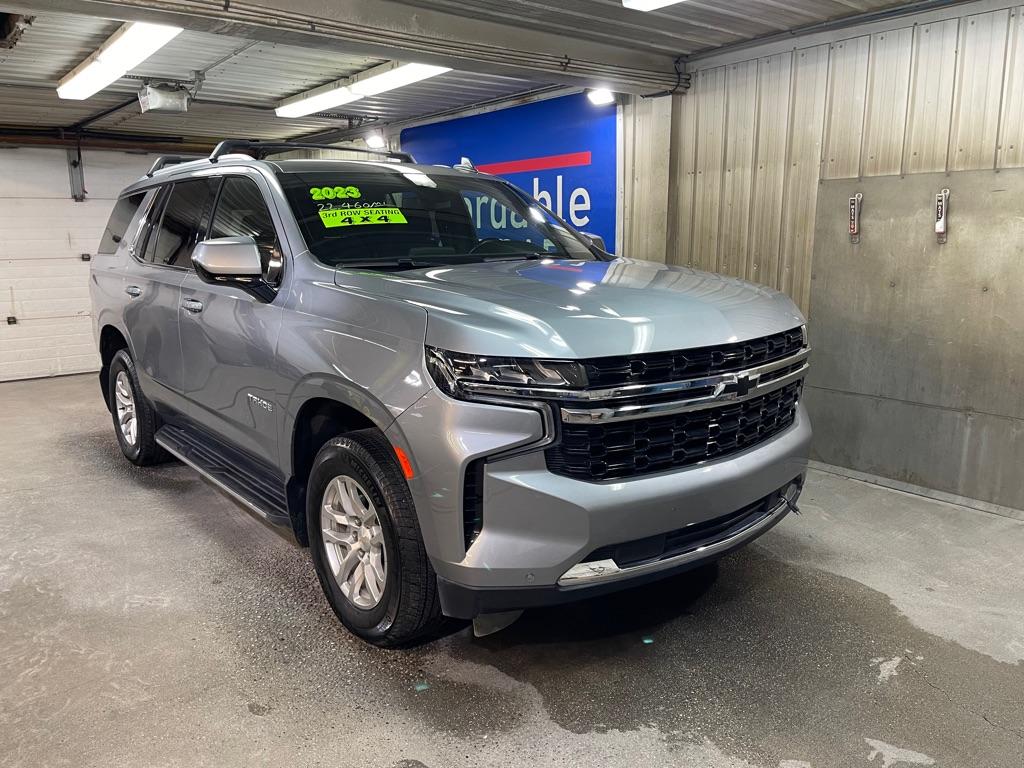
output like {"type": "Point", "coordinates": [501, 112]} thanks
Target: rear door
{"type": "Point", "coordinates": [229, 337]}
{"type": "Point", "coordinates": [153, 278]}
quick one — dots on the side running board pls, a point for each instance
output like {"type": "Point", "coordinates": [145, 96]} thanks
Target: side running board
{"type": "Point", "coordinates": [254, 487]}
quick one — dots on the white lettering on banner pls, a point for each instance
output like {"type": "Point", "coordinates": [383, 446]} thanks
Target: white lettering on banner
{"type": "Point", "coordinates": [579, 194]}
{"type": "Point", "coordinates": [579, 201]}
{"type": "Point", "coordinates": [484, 209]}
{"type": "Point", "coordinates": [497, 223]}
{"type": "Point", "coordinates": [544, 198]}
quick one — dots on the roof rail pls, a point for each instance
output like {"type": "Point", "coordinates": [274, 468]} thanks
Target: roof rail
{"type": "Point", "coordinates": [165, 160]}
{"type": "Point", "coordinates": [261, 149]}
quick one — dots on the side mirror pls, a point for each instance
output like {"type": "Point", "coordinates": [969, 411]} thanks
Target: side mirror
{"type": "Point", "coordinates": [228, 260]}
{"type": "Point", "coordinates": [595, 240]}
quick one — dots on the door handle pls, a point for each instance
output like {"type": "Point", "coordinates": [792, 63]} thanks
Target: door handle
{"type": "Point", "coordinates": [192, 305]}
{"type": "Point", "coordinates": [133, 290]}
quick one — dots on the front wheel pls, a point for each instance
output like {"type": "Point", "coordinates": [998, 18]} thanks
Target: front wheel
{"type": "Point", "coordinates": [366, 544]}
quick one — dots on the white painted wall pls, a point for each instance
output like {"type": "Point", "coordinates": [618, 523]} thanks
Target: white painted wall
{"type": "Point", "coordinates": [43, 232]}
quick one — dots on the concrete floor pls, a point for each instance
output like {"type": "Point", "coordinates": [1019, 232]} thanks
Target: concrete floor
{"type": "Point", "coordinates": [145, 620]}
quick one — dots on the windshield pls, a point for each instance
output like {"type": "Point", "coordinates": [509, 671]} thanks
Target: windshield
{"type": "Point", "coordinates": [405, 218]}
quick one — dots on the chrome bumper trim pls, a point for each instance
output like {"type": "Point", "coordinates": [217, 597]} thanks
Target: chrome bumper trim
{"type": "Point", "coordinates": [640, 411]}
{"type": "Point", "coordinates": [602, 571]}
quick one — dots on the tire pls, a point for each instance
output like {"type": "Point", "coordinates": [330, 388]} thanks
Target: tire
{"type": "Point", "coordinates": [406, 609]}
{"type": "Point", "coordinates": [138, 444]}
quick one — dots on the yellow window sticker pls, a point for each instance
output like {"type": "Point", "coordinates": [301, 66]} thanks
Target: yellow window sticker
{"type": "Point", "coordinates": [353, 217]}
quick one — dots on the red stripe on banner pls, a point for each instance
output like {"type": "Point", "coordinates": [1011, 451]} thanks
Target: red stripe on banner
{"type": "Point", "coordinates": [568, 160]}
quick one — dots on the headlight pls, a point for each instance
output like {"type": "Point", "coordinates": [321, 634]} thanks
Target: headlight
{"type": "Point", "coordinates": [457, 373]}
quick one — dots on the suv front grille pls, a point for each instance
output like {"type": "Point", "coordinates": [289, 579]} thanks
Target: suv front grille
{"type": "Point", "coordinates": [658, 367]}
{"type": "Point", "coordinates": [641, 446]}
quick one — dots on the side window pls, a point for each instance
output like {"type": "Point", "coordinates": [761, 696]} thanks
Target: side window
{"type": "Point", "coordinates": [122, 215]}
{"type": "Point", "coordinates": [242, 212]}
{"type": "Point", "coordinates": [182, 224]}
{"type": "Point", "coordinates": [147, 244]}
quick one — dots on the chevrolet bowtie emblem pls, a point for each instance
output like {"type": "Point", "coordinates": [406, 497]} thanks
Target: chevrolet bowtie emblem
{"type": "Point", "coordinates": [742, 384]}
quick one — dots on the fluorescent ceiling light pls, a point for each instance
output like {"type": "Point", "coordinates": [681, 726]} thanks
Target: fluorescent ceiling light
{"type": "Point", "coordinates": [131, 45]}
{"type": "Point", "coordinates": [373, 81]}
{"type": "Point", "coordinates": [600, 96]}
{"type": "Point", "coordinates": [375, 141]}
{"type": "Point", "coordinates": [318, 101]}
{"type": "Point", "coordinates": [405, 74]}
{"type": "Point", "coordinates": [648, 5]}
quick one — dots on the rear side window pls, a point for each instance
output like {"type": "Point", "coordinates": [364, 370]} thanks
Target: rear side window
{"type": "Point", "coordinates": [242, 212]}
{"type": "Point", "coordinates": [184, 221]}
{"type": "Point", "coordinates": [122, 215]}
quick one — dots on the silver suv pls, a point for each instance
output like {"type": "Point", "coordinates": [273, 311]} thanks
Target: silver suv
{"type": "Point", "coordinates": [464, 407]}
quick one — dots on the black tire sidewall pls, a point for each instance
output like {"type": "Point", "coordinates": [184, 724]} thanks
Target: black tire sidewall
{"type": "Point", "coordinates": [122, 362]}
{"type": "Point", "coordinates": [344, 456]}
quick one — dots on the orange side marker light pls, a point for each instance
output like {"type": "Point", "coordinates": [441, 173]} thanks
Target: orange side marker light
{"type": "Point", "coordinates": [404, 462]}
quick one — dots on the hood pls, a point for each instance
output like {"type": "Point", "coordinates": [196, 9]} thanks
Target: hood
{"type": "Point", "coordinates": [578, 309]}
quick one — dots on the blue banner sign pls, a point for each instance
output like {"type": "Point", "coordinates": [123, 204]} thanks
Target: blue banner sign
{"type": "Point", "coordinates": [561, 151]}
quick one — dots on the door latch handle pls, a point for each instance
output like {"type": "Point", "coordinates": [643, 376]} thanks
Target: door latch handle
{"type": "Point", "coordinates": [192, 305]}
{"type": "Point", "coordinates": [133, 290]}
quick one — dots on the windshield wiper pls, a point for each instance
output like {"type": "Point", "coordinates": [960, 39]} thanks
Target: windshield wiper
{"type": "Point", "coordinates": [403, 263]}
{"type": "Point", "coordinates": [527, 255]}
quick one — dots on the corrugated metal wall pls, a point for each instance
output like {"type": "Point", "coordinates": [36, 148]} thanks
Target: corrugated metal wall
{"type": "Point", "coordinates": [753, 138]}
{"type": "Point", "coordinates": [646, 138]}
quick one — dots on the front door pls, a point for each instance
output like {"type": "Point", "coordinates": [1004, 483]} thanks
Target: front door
{"type": "Point", "coordinates": [152, 281]}
{"type": "Point", "coordinates": [229, 337]}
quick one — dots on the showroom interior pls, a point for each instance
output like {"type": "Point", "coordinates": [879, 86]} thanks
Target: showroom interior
{"type": "Point", "coordinates": [863, 157]}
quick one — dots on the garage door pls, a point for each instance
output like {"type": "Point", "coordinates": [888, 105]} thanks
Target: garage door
{"type": "Point", "coordinates": [47, 238]}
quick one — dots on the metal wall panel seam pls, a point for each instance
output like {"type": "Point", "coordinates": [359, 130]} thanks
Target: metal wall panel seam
{"type": "Point", "coordinates": [788, 169]}
{"type": "Point", "coordinates": [1007, 62]}
{"type": "Point", "coordinates": [1011, 144]}
{"type": "Point", "coordinates": [749, 268]}
{"type": "Point", "coordinates": [911, 92]}
{"type": "Point", "coordinates": [865, 111]}
{"type": "Point", "coordinates": [721, 177]}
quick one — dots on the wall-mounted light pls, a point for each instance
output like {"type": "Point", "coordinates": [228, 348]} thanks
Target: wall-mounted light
{"type": "Point", "coordinates": [131, 45]}
{"type": "Point", "coordinates": [375, 141]}
{"type": "Point", "coordinates": [648, 5]}
{"type": "Point", "coordinates": [386, 77]}
{"type": "Point", "coordinates": [600, 96]}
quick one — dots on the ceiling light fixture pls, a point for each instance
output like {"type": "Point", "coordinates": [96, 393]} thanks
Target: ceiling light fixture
{"type": "Point", "coordinates": [131, 45]}
{"type": "Point", "coordinates": [648, 5]}
{"type": "Point", "coordinates": [375, 141]}
{"type": "Point", "coordinates": [373, 81]}
{"type": "Point", "coordinates": [600, 96]}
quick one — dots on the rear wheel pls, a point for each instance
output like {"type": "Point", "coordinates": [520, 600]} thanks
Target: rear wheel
{"type": "Point", "coordinates": [366, 544]}
{"type": "Point", "coordinates": [135, 421]}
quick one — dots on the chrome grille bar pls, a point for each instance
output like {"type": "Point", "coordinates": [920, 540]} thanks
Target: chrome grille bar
{"type": "Point", "coordinates": [719, 398]}
{"type": "Point", "coordinates": [717, 383]}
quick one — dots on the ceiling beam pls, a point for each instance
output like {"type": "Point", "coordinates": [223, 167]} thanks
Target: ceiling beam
{"type": "Point", "coordinates": [395, 30]}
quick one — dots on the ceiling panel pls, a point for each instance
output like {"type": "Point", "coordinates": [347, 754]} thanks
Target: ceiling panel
{"type": "Point", "coordinates": [51, 47]}
{"type": "Point", "coordinates": [243, 81]}
{"type": "Point", "coordinates": [685, 28]}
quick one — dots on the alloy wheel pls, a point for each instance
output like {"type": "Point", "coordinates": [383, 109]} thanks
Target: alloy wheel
{"type": "Point", "coordinates": [125, 404]}
{"type": "Point", "coordinates": [354, 541]}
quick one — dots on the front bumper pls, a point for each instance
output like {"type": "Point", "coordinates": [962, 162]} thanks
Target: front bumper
{"type": "Point", "coordinates": [593, 578]}
{"type": "Point", "coordinates": [537, 525]}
